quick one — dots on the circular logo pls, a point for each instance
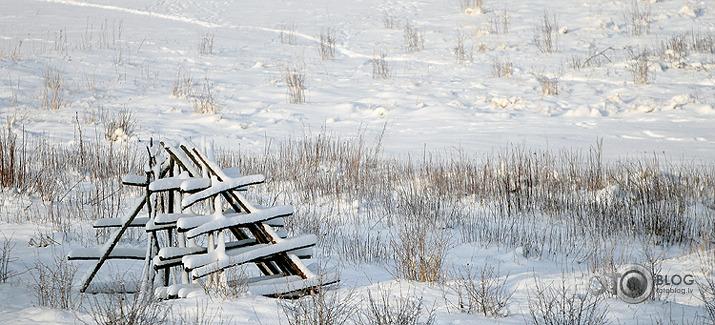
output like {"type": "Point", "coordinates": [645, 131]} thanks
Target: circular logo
{"type": "Point", "coordinates": [635, 284]}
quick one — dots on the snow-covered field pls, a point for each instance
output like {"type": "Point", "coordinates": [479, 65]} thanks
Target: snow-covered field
{"type": "Point", "coordinates": [628, 81]}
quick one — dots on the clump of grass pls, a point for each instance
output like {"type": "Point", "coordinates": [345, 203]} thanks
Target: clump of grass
{"type": "Point", "coordinates": [706, 288]}
{"type": "Point", "coordinates": [205, 102]}
{"type": "Point", "coordinates": [11, 50]}
{"type": "Point", "coordinates": [198, 315]}
{"type": "Point", "coordinates": [183, 84]}
{"type": "Point", "coordinates": [52, 283]}
{"type": "Point", "coordinates": [294, 77]}
{"type": "Point", "coordinates": [499, 22]}
{"type": "Point", "coordinates": [413, 38]}
{"type": "Point", "coordinates": [639, 67]}
{"type": "Point", "coordinates": [546, 35]}
{"type": "Point", "coordinates": [596, 58]}
{"type": "Point", "coordinates": [549, 86]}
{"type": "Point", "coordinates": [54, 93]}
{"type": "Point", "coordinates": [481, 292]}
{"type": "Point", "coordinates": [233, 283]}
{"type": "Point", "coordinates": [420, 254]}
{"type": "Point", "coordinates": [380, 66]}
{"type": "Point", "coordinates": [674, 49]}
{"type": "Point", "coordinates": [327, 44]}
{"type": "Point", "coordinates": [502, 68]}
{"type": "Point", "coordinates": [321, 307]}
{"type": "Point", "coordinates": [120, 126]}
{"type": "Point", "coordinates": [402, 310]}
{"type": "Point", "coordinates": [388, 19]}
{"type": "Point", "coordinates": [287, 34]}
{"type": "Point", "coordinates": [557, 305]}
{"type": "Point", "coordinates": [6, 248]}
{"type": "Point", "coordinates": [14, 163]}
{"type": "Point", "coordinates": [638, 17]}
{"type": "Point", "coordinates": [206, 43]}
{"type": "Point", "coordinates": [463, 52]}
{"type": "Point", "coordinates": [120, 308]}
{"type": "Point", "coordinates": [472, 6]}
{"type": "Point", "coordinates": [702, 42]}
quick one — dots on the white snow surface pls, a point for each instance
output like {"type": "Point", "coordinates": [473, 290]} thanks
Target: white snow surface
{"type": "Point", "coordinates": [125, 55]}
{"type": "Point", "coordinates": [430, 102]}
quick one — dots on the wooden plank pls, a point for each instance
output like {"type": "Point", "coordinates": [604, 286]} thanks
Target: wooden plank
{"type": "Point", "coordinates": [291, 286]}
{"type": "Point", "coordinates": [240, 256]}
{"type": "Point", "coordinates": [134, 180]}
{"type": "Point", "coordinates": [96, 253]}
{"type": "Point", "coordinates": [166, 218]}
{"type": "Point", "coordinates": [221, 186]}
{"type": "Point", "coordinates": [152, 226]}
{"type": "Point", "coordinates": [118, 222]}
{"type": "Point", "coordinates": [236, 220]}
{"type": "Point", "coordinates": [167, 253]}
{"type": "Point", "coordinates": [167, 184]}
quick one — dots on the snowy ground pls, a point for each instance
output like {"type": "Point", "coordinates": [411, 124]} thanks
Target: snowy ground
{"type": "Point", "coordinates": [114, 56]}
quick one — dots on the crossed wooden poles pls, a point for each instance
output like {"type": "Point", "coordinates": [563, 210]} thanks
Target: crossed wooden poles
{"type": "Point", "coordinates": [180, 180]}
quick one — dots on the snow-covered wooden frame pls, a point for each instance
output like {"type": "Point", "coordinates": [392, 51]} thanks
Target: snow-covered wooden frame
{"type": "Point", "coordinates": [178, 176]}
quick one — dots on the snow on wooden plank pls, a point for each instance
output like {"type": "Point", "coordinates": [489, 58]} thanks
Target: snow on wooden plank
{"type": "Point", "coordinates": [134, 180]}
{"type": "Point", "coordinates": [240, 219]}
{"type": "Point", "coordinates": [193, 261]}
{"type": "Point", "coordinates": [185, 224]}
{"type": "Point", "coordinates": [195, 185]}
{"type": "Point", "coordinates": [173, 252]}
{"type": "Point", "coordinates": [243, 255]}
{"type": "Point", "coordinates": [118, 222]}
{"type": "Point", "coordinates": [153, 226]}
{"type": "Point", "coordinates": [188, 291]}
{"type": "Point", "coordinates": [276, 222]}
{"type": "Point", "coordinates": [95, 253]}
{"type": "Point", "coordinates": [303, 253]}
{"type": "Point", "coordinates": [256, 279]}
{"type": "Point", "coordinates": [290, 284]}
{"type": "Point", "coordinates": [167, 218]}
{"type": "Point", "coordinates": [177, 291]}
{"type": "Point", "coordinates": [172, 256]}
{"type": "Point", "coordinates": [167, 184]}
{"type": "Point", "coordinates": [166, 253]}
{"type": "Point", "coordinates": [162, 264]}
{"type": "Point", "coordinates": [221, 186]}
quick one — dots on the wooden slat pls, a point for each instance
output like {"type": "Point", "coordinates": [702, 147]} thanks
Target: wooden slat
{"type": "Point", "coordinates": [96, 254]}
{"type": "Point", "coordinates": [118, 222]}
{"type": "Point", "coordinates": [290, 286]}
{"type": "Point", "coordinates": [134, 180]}
{"type": "Point", "coordinates": [244, 255]}
{"type": "Point", "coordinates": [237, 220]}
{"type": "Point", "coordinates": [223, 185]}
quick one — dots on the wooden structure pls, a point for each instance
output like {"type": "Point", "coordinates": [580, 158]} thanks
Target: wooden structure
{"type": "Point", "coordinates": [198, 225]}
